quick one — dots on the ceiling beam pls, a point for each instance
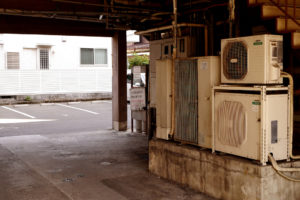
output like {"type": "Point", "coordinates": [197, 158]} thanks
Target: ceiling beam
{"type": "Point", "coordinates": [30, 25]}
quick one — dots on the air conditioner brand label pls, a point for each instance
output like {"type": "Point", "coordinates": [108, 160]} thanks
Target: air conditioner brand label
{"type": "Point", "coordinates": [257, 42]}
{"type": "Point", "coordinates": [255, 105]}
{"type": "Point", "coordinates": [204, 65]}
{"type": "Point", "coordinates": [256, 102]}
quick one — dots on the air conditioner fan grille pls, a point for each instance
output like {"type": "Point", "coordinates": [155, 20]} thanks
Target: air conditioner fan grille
{"type": "Point", "coordinates": [235, 60]}
{"type": "Point", "coordinates": [231, 123]}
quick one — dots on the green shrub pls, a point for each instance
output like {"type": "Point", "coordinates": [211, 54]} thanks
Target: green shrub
{"type": "Point", "coordinates": [137, 60]}
{"type": "Point", "coordinates": [27, 98]}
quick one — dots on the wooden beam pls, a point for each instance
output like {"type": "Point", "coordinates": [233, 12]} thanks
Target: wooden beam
{"type": "Point", "coordinates": [30, 25]}
{"type": "Point", "coordinates": [268, 12]}
{"type": "Point", "coordinates": [280, 2]}
{"type": "Point", "coordinates": [119, 82]}
{"type": "Point", "coordinates": [291, 25]}
{"type": "Point", "coordinates": [295, 40]}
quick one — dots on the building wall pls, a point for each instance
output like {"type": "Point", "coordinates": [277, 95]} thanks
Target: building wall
{"type": "Point", "coordinates": [65, 73]}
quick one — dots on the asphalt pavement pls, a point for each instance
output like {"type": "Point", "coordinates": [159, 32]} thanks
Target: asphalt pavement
{"type": "Point", "coordinates": [64, 118]}
{"type": "Point", "coordinates": [68, 151]}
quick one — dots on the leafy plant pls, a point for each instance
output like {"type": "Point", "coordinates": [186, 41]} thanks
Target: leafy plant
{"type": "Point", "coordinates": [138, 60]}
{"type": "Point", "coordinates": [27, 98]}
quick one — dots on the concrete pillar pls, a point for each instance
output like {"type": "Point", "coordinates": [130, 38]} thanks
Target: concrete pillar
{"type": "Point", "coordinates": [138, 126]}
{"type": "Point", "coordinates": [119, 84]}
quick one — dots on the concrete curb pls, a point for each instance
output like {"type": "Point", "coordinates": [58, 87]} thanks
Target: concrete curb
{"type": "Point", "coordinates": [53, 98]}
{"type": "Point", "coordinates": [20, 105]}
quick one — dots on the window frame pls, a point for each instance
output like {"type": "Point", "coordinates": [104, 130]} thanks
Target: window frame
{"type": "Point", "coordinates": [39, 57]}
{"type": "Point", "coordinates": [6, 60]}
{"type": "Point", "coordinates": [94, 52]}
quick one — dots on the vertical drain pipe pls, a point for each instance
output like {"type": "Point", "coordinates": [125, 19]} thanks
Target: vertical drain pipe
{"type": "Point", "coordinates": [231, 8]}
{"type": "Point", "coordinates": [173, 66]}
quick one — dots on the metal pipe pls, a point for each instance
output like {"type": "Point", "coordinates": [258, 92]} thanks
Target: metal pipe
{"type": "Point", "coordinates": [279, 169]}
{"type": "Point", "coordinates": [106, 6]}
{"type": "Point", "coordinates": [69, 18]}
{"type": "Point", "coordinates": [231, 16]}
{"type": "Point", "coordinates": [74, 13]}
{"type": "Point", "coordinates": [173, 67]}
{"type": "Point", "coordinates": [169, 27]}
{"type": "Point", "coordinates": [206, 40]}
{"type": "Point", "coordinates": [291, 132]}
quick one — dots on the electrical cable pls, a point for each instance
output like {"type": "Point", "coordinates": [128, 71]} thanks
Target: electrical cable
{"type": "Point", "coordinates": [291, 132]}
{"type": "Point", "coordinates": [279, 169]}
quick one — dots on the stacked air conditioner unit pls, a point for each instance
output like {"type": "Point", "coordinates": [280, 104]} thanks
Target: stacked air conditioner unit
{"type": "Point", "coordinates": [246, 115]}
{"type": "Point", "coordinates": [193, 101]}
{"type": "Point", "coordinates": [252, 60]}
{"type": "Point", "coordinates": [251, 107]}
{"type": "Point", "coordinates": [163, 49]}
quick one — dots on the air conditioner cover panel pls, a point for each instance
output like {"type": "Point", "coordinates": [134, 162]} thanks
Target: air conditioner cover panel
{"type": "Point", "coordinates": [252, 60]}
{"type": "Point", "coordinates": [263, 120]}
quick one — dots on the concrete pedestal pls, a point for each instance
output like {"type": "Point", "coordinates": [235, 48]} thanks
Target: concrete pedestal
{"type": "Point", "coordinates": [220, 176]}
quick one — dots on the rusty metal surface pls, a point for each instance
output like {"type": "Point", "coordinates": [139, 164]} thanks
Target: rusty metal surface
{"type": "Point", "coordinates": [186, 101]}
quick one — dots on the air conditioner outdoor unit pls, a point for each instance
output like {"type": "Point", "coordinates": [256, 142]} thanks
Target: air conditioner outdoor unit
{"type": "Point", "coordinates": [252, 60]}
{"type": "Point", "coordinates": [208, 77]}
{"type": "Point", "coordinates": [193, 101]}
{"type": "Point", "coordinates": [251, 122]}
{"type": "Point", "coordinates": [163, 98]}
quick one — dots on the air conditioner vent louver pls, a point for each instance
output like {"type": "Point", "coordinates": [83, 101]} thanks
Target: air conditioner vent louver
{"type": "Point", "coordinates": [235, 60]}
{"type": "Point", "coordinates": [231, 123]}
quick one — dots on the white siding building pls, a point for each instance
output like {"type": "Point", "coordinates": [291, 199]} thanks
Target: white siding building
{"type": "Point", "coordinates": [43, 64]}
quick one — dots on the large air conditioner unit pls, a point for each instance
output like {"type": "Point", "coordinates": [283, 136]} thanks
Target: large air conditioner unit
{"type": "Point", "coordinates": [252, 60]}
{"type": "Point", "coordinates": [193, 101]}
{"type": "Point", "coordinates": [208, 76]}
{"type": "Point", "coordinates": [163, 98]}
{"type": "Point", "coordinates": [251, 122]}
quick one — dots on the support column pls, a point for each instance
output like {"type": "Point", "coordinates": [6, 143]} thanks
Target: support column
{"type": "Point", "coordinates": [119, 84]}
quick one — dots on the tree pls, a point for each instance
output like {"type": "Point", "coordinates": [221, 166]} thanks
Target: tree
{"type": "Point", "coordinates": [138, 60]}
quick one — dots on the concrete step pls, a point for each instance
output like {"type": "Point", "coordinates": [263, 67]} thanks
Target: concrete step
{"type": "Point", "coordinates": [295, 40]}
{"type": "Point", "coordinates": [269, 11]}
{"type": "Point", "coordinates": [291, 25]}
{"type": "Point", "coordinates": [280, 2]}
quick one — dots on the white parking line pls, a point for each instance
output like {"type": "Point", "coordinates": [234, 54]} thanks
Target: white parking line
{"type": "Point", "coordinates": [16, 121]}
{"type": "Point", "coordinates": [32, 117]}
{"type": "Point", "coordinates": [74, 102]}
{"type": "Point", "coordinates": [47, 104]}
{"type": "Point", "coordinates": [78, 109]}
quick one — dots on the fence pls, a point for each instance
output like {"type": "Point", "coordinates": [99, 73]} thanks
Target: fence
{"type": "Point", "coordinates": [14, 82]}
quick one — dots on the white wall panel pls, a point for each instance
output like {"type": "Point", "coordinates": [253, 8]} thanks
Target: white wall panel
{"type": "Point", "coordinates": [29, 59]}
{"type": "Point", "coordinates": [2, 58]}
{"type": "Point", "coordinates": [55, 81]}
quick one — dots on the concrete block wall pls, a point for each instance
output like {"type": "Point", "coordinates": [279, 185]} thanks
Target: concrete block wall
{"type": "Point", "coordinates": [220, 176]}
{"type": "Point", "coordinates": [46, 98]}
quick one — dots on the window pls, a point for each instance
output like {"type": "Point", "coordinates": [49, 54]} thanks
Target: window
{"type": "Point", "coordinates": [44, 58]}
{"type": "Point", "coordinates": [100, 56]}
{"type": "Point", "coordinates": [13, 60]}
{"type": "Point", "coordinates": [89, 56]}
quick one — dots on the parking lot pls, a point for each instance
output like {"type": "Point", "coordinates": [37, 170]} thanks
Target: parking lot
{"type": "Point", "coordinates": [58, 118]}
{"type": "Point", "coordinates": [68, 151]}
